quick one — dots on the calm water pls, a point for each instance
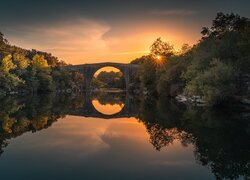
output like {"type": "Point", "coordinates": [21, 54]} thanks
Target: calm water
{"type": "Point", "coordinates": [116, 136]}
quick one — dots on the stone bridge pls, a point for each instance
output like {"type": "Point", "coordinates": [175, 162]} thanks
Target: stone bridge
{"type": "Point", "coordinates": [88, 71]}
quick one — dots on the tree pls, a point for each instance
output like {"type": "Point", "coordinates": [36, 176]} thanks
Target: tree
{"type": "Point", "coordinates": [40, 75]}
{"type": "Point", "coordinates": [224, 23]}
{"type": "Point", "coordinates": [148, 77]}
{"type": "Point", "coordinates": [77, 81]}
{"type": "Point", "coordinates": [45, 82]}
{"type": "Point", "coordinates": [8, 81]}
{"type": "Point", "coordinates": [7, 64]}
{"type": "Point", "coordinates": [244, 47]}
{"type": "Point", "coordinates": [2, 39]}
{"type": "Point", "coordinates": [110, 80]}
{"type": "Point", "coordinates": [160, 49]}
{"type": "Point", "coordinates": [21, 62]}
{"type": "Point", "coordinates": [215, 85]}
{"type": "Point", "coordinates": [51, 60]}
{"type": "Point", "coordinates": [185, 48]}
{"type": "Point", "coordinates": [39, 62]}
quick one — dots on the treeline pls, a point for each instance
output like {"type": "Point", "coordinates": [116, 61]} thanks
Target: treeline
{"type": "Point", "coordinates": [24, 71]}
{"type": "Point", "coordinates": [215, 70]}
{"type": "Point", "coordinates": [109, 80]}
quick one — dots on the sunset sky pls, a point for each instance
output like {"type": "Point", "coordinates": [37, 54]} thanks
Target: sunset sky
{"type": "Point", "coordinates": [89, 31]}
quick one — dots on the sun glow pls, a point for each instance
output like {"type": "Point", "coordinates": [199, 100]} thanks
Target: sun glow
{"type": "Point", "coordinates": [158, 57]}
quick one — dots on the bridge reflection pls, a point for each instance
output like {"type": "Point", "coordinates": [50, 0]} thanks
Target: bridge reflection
{"type": "Point", "coordinates": [89, 110]}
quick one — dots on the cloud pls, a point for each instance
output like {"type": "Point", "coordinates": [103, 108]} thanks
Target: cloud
{"type": "Point", "coordinates": [172, 12]}
{"type": "Point", "coordinates": [69, 39]}
{"type": "Point", "coordinates": [85, 40]}
{"type": "Point", "coordinates": [79, 41]}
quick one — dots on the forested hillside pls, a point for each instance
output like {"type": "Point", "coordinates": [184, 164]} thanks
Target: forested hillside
{"type": "Point", "coordinates": [32, 71]}
{"type": "Point", "coordinates": [215, 70]}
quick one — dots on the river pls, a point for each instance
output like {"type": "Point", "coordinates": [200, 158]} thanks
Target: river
{"type": "Point", "coordinates": [118, 136]}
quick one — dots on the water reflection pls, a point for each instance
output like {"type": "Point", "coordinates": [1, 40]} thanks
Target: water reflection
{"type": "Point", "coordinates": [108, 103]}
{"type": "Point", "coordinates": [219, 139]}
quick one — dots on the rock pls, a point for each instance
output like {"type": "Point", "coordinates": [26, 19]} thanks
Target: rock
{"type": "Point", "coordinates": [200, 101]}
{"type": "Point", "coordinates": [69, 91]}
{"type": "Point", "coordinates": [196, 100]}
{"type": "Point", "coordinates": [200, 105]}
{"type": "Point", "coordinates": [145, 92]}
{"type": "Point", "coordinates": [181, 98]}
{"type": "Point", "coordinates": [245, 101]}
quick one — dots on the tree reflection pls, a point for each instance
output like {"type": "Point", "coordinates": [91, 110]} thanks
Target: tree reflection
{"type": "Point", "coordinates": [220, 137]}
{"type": "Point", "coordinates": [110, 98]}
{"type": "Point", "coordinates": [19, 115]}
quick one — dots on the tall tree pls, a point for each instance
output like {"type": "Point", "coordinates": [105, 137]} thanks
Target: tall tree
{"type": "Point", "coordinates": [224, 23]}
{"type": "Point", "coordinates": [161, 49]}
{"type": "Point", "coordinates": [7, 64]}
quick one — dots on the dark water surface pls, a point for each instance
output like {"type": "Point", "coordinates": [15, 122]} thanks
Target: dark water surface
{"type": "Point", "coordinates": [116, 136]}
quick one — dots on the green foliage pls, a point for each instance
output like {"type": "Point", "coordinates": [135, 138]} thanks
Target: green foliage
{"type": "Point", "coordinates": [152, 67]}
{"type": "Point", "coordinates": [171, 82]}
{"type": "Point", "coordinates": [40, 74]}
{"type": "Point", "coordinates": [21, 63]}
{"type": "Point", "coordinates": [8, 81]}
{"type": "Point", "coordinates": [140, 60]}
{"type": "Point", "coordinates": [148, 76]}
{"type": "Point", "coordinates": [33, 71]}
{"type": "Point", "coordinates": [209, 69]}
{"type": "Point", "coordinates": [77, 80]}
{"type": "Point", "coordinates": [161, 68]}
{"type": "Point", "coordinates": [109, 80]}
{"type": "Point", "coordinates": [244, 46]}
{"type": "Point", "coordinates": [224, 23]}
{"type": "Point", "coordinates": [68, 80]}
{"type": "Point", "coordinates": [215, 84]}
{"type": "Point", "coordinates": [45, 82]}
{"type": "Point", "coordinates": [39, 62]}
{"type": "Point", "coordinates": [51, 60]}
{"type": "Point", "coordinates": [162, 49]}
{"type": "Point", "coordinates": [7, 64]}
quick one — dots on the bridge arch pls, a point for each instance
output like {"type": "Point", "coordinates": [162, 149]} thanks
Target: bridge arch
{"type": "Point", "coordinates": [109, 69]}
